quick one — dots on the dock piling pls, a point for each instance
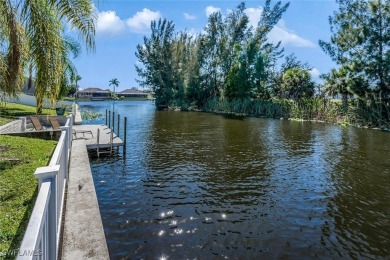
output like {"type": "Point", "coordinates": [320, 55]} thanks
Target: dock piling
{"type": "Point", "coordinates": [113, 121]}
{"type": "Point", "coordinates": [109, 119]}
{"type": "Point", "coordinates": [125, 136]}
{"type": "Point", "coordinates": [119, 123]}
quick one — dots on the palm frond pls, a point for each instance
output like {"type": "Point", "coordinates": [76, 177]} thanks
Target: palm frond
{"type": "Point", "coordinates": [81, 14]}
{"type": "Point", "coordinates": [45, 39]}
{"type": "Point", "coordinates": [13, 42]}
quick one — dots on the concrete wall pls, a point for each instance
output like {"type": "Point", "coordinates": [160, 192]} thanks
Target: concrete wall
{"type": "Point", "coordinates": [27, 100]}
{"type": "Point", "coordinates": [31, 100]}
{"type": "Point", "coordinates": [46, 135]}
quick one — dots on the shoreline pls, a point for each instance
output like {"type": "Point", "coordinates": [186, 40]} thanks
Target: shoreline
{"type": "Point", "coordinates": [234, 115]}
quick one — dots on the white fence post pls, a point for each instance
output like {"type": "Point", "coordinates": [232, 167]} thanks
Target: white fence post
{"type": "Point", "coordinates": [43, 173]}
{"type": "Point", "coordinates": [74, 110]}
{"type": "Point", "coordinates": [50, 173]}
{"type": "Point", "coordinates": [67, 145]}
{"type": "Point", "coordinates": [71, 118]}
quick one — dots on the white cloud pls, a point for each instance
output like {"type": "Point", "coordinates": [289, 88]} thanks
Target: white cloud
{"type": "Point", "coordinates": [140, 22]}
{"type": "Point", "coordinates": [280, 32]}
{"type": "Point", "coordinates": [315, 73]}
{"type": "Point", "coordinates": [211, 9]}
{"type": "Point", "coordinates": [253, 15]}
{"type": "Point", "coordinates": [189, 17]}
{"type": "Point", "coordinates": [287, 37]}
{"type": "Point", "coordinates": [109, 23]}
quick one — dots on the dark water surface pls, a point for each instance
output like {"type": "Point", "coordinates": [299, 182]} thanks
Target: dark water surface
{"type": "Point", "coordinates": [197, 185]}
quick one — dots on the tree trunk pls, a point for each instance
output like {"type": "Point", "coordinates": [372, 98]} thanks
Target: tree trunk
{"type": "Point", "coordinates": [344, 99]}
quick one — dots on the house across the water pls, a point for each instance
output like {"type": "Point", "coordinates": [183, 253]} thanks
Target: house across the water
{"type": "Point", "coordinates": [94, 94]}
{"type": "Point", "coordinates": [132, 93]}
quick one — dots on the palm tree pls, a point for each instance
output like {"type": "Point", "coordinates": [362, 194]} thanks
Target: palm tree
{"type": "Point", "coordinates": [297, 83]}
{"type": "Point", "coordinates": [115, 83]}
{"type": "Point", "coordinates": [31, 32]}
{"type": "Point", "coordinates": [338, 82]}
{"type": "Point", "coordinates": [76, 79]}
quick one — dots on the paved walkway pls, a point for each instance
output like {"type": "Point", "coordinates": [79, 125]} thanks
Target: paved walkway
{"type": "Point", "coordinates": [12, 127]}
{"type": "Point", "coordinates": [83, 236]}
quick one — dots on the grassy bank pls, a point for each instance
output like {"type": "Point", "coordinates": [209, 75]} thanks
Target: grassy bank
{"type": "Point", "coordinates": [12, 111]}
{"type": "Point", "coordinates": [20, 157]}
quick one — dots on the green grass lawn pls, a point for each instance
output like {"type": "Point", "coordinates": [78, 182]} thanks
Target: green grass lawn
{"type": "Point", "coordinates": [12, 111]}
{"type": "Point", "coordinates": [20, 156]}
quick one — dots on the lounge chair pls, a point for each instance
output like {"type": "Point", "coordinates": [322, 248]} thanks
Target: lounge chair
{"type": "Point", "coordinates": [54, 123]}
{"type": "Point", "coordinates": [36, 123]}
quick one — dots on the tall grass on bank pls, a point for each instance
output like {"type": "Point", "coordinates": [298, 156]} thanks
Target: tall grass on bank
{"type": "Point", "coordinates": [313, 109]}
{"type": "Point", "coordinates": [258, 108]}
{"type": "Point", "coordinates": [371, 112]}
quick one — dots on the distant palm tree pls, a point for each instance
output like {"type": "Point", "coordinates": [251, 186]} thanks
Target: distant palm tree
{"type": "Point", "coordinates": [76, 79]}
{"type": "Point", "coordinates": [115, 83]}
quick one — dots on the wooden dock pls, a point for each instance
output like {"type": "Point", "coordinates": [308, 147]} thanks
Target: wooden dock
{"type": "Point", "coordinates": [91, 140]}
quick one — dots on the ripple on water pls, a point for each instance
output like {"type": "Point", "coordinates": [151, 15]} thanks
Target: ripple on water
{"type": "Point", "coordinates": [199, 185]}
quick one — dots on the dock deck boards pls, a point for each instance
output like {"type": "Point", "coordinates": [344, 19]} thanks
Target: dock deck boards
{"type": "Point", "coordinates": [91, 141]}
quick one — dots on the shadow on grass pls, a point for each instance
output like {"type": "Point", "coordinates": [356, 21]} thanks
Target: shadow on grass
{"type": "Point", "coordinates": [13, 113]}
{"type": "Point", "coordinates": [8, 164]}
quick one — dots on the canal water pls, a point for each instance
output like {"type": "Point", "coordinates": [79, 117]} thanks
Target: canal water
{"type": "Point", "coordinates": [198, 185]}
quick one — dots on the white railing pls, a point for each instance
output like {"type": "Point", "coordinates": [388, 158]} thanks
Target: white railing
{"type": "Point", "coordinates": [41, 239]}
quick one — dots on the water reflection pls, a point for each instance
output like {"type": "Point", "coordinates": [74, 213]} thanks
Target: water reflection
{"type": "Point", "coordinates": [200, 185]}
{"type": "Point", "coordinates": [361, 199]}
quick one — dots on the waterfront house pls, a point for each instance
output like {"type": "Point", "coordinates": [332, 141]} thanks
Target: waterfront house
{"type": "Point", "coordinates": [132, 93]}
{"type": "Point", "coordinates": [94, 93]}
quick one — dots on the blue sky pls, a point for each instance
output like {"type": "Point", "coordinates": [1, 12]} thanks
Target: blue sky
{"type": "Point", "coordinates": [123, 24]}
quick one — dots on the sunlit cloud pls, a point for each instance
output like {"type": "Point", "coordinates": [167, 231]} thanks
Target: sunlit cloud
{"type": "Point", "coordinates": [140, 22]}
{"type": "Point", "coordinates": [315, 73]}
{"type": "Point", "coordinates": [109, 23]}
{"type": "Point", "coordinates": [253, 15]}
{"type": "Point", "coordinates": [280, 32]}
{"type": "Point", "coordinates": [211, 9]}
{"type": "Point", "coordinates": [189, 17]}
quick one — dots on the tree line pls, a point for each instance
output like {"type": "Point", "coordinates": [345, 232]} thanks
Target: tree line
{"type": "Point", "coordinates": [231, 61]}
